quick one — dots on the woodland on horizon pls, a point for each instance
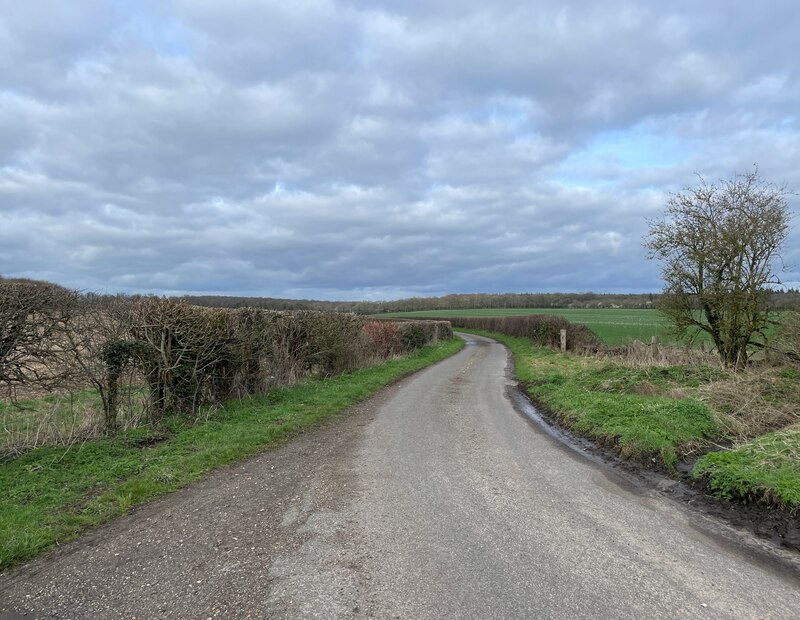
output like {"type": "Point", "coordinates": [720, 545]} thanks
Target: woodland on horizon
{"type": "Point", "coordinates": [788, 299]}
{"type": "Point", "coordinates": [779, 300]}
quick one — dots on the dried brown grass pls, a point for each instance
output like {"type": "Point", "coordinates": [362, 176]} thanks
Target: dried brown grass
{"type": "Point", "coordinates": [637, 354]}
{"type": "Point", "coordinates": [749, 404]}
{"type": "Point", "coordinates": [59, 422]}
{"type": "Point", "coordinates": [763, 398]}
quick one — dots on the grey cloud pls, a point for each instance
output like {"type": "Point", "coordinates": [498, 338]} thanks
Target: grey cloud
{"type": "Point", "coordinates": [42, 41]}
{"type": "Point", "coordinates": [274, 40]}
{"type": "Point", "coordinates": [592, 65]}
{"type": "Point", "coordinates": [340, 149]}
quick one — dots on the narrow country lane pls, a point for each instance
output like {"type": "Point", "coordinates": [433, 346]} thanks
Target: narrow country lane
{"type": "Point", "coordinates": [435, 499]}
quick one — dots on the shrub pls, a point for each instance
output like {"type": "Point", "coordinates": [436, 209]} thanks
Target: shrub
{"type": "Point", "coordinates": [415, 335]}
{"type": "Point", "coordinates": [335, 341]}
{"type": "Point", "coordinates": [383, 339]}
{"type": "Point", "coordinates": [186, 356]}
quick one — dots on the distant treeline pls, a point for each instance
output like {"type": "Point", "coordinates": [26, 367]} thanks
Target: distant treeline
{"type": "Point", "coordinates": [783, 300]}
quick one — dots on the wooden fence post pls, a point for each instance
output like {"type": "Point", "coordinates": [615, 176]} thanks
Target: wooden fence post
{"type": "Point", "coordinates": [563, 340]}
{"type": "Point", "coordinates": [654, 346]}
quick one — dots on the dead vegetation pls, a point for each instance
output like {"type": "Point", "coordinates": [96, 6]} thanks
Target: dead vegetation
{"type": "Point", "coordinates": [640, 355]}
{"type": "Point", "coordinates": [34, 317]}
{"type": "Point", "coordinates": [756, 402]}
{"type": "Point", "coordinates": [763, 398]}
{"type": "Point", "coordinates": [74, 366]}
{"type": "Point", "coordinates": [786, 343]}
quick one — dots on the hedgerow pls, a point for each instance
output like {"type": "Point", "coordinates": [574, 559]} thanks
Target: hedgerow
{"type": "Point", "coordinates": [542, 329]}
{"type": "Point", "coordinates": [179, 357]}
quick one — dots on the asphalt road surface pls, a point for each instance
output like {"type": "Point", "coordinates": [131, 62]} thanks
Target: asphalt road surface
{"type": "Point", "coordinates": [435, 499]}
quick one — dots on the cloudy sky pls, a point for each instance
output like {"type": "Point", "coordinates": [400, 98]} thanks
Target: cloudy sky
{"type": "Point", "coordinates": [338, 149]}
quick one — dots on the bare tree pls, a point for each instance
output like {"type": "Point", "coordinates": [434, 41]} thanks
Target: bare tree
{"type": "Point", "coordinates": [719, 244]}
{"type": "Point", "coordinates": [34, 318]}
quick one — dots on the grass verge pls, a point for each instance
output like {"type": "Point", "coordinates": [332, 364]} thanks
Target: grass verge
{"type": "Point", "coordinates": [764, 469]}
{"type": "Point", "coordinates": [664, 413]}
{"type": "Point", "coordinates": [52, 494]}
{"type": "Point", "coordinates": [640, 413]}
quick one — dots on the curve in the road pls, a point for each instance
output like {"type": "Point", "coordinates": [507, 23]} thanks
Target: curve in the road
{"type": "Point", "coordinates": [434, 499]}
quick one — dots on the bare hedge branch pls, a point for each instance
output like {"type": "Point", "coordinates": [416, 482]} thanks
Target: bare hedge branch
{"type": "Point", "coordinates": [187, 356]}
{"type": "Point", "coordinates": [34, 319]}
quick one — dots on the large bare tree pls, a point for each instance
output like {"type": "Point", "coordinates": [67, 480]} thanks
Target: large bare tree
{"type": "Point", "coordinates": [34, 318]}
{"type": "Point", "coordinates": [720, 244]}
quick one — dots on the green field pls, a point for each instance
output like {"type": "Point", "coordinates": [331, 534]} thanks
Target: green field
{"type": "Point", "coordinates": [613, 326]}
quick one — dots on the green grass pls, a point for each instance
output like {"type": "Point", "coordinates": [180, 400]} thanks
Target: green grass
{"type": "Point", "coordinates": [613, 326]}
{"type": "Point", "coordinates": [52, 494]}
{"type": "Point", "coordinates": [627, 408]}
{"type": "Point", "coordinates": [635, 411]}
{"type": "Point", "coordinates": [764, 469]}
{"type": "Point", "coordinates": [649, 413]}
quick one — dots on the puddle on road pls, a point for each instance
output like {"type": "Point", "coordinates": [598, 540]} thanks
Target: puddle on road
{"type": "Point", "coordinates": [524, 406]}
